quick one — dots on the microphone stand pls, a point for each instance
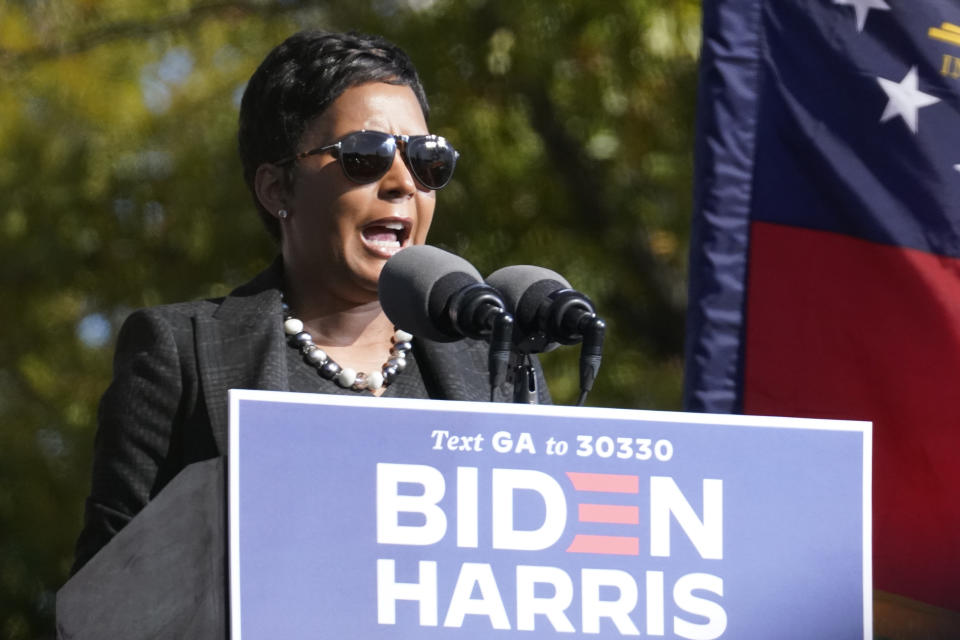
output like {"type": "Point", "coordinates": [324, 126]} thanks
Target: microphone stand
{"type": "Point", "coordinates": [524, 380]}
{"type": "Point", "coordinates": [509, 363]}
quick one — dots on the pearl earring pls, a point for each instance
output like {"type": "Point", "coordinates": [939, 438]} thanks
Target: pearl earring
{"type": "Point", "coordinates": [283, 213]}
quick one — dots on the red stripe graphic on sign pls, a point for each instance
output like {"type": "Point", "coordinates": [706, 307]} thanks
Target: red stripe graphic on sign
{"type": "Point", "coordinates": [614, 545]}
{"type": "Point", "coordinates": [606, 482]}
{"type": "Point", "coordinates": [609, 513]}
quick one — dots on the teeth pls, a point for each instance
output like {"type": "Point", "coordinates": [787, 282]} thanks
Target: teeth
{"type": "Point", "coordinates": [387, 235]}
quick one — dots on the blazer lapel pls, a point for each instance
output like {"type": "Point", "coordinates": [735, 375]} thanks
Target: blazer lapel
{"type": "Point", "coordinates": [242, 346]}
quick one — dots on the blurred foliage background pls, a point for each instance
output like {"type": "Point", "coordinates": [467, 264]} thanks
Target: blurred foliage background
{"type": "Point", "coordinates": [120, 187]}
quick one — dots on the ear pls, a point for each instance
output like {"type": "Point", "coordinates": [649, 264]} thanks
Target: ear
{"type": "Point", "coordinates": [271, 187]}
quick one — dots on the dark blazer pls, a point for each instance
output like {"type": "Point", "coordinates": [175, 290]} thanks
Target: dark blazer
{"type": "Point", "coordinates": [167, 404]}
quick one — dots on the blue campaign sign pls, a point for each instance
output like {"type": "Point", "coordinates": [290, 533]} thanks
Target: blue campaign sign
{"type": "Point", "coordinates": [380, 518]}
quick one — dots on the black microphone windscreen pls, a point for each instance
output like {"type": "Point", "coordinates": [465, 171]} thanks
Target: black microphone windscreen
{"type": "Point", "coordinates": [415, 286]}
{"type": "Point", "coordinates": [525, 287]}
{"type": "Point", "coordinates": [526, 291]}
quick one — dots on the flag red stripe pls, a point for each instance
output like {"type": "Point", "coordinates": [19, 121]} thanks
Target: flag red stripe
{"type": "Point", "coordinates": [844, 328]}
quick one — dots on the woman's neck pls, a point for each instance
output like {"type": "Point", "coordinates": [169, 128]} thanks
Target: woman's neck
{"type": "Point", "coordinates": [355, 334]}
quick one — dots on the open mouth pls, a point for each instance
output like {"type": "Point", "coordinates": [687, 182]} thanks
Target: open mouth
{"type": "Point", "coordinates": [387, 236]}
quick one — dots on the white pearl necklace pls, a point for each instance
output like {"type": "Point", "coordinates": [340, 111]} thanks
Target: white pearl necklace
{"type": "Point", "coordinates": [346, 377]}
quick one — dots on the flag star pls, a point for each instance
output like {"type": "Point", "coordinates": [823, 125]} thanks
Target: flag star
{"type": "Point", "coordinates": [862, 7]}
{"type": "Point", "coordinates": [904, 99]}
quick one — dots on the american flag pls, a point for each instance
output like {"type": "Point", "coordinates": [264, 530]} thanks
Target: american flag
{"type": "Point", "coordinates": [825, 253]}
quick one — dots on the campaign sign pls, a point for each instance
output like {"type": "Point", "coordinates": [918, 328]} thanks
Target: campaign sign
{"type": "Point", "coordinates": [378, 518]}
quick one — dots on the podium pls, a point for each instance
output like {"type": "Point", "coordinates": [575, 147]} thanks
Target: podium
{"type": "Point", "coordinates": [164, 575]}
{"type": "Point", "coordinates": [386, 519]}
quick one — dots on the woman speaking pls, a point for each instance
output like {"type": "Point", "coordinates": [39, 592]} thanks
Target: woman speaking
{"type": "Point", "coordinates": [344, 172]}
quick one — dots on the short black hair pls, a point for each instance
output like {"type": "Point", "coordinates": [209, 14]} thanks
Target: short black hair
{"type": "Point", "coordinates": [298, 80]}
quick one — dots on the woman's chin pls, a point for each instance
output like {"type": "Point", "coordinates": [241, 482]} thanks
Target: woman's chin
{"type": "Point", "coordinates": [366, 276]}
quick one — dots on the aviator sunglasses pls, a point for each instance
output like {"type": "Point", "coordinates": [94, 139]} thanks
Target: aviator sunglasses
{"type": "Point", "coordinates": [366, 156]}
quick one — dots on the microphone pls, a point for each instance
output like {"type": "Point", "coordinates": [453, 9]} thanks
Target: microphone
{"type": "Point", "coordinates": [437, 295]}
{"type": "Point", "coordinates": [549, 312]}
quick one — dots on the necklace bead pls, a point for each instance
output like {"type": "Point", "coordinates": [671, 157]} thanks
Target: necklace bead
{"type": "Point", "coordinates": [374, 380]}
{"type": "Point", "coordinates": [329, 370]}
{"type": "Point", "coordinates": [292, 326]}
{"type": "Point", "coordinates": [316, 356]}
{"type": "Point", "coordinates": [299, 338]}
